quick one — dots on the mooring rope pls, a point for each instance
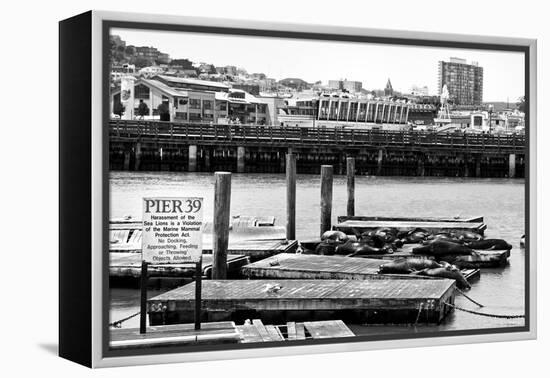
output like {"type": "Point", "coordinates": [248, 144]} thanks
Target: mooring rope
{"type": "Point", "coordinates": [467, 297]}
{"type": "Point", "coordinates": [118, 323]}
{"type": "Point", "coordinates": [485, 314]}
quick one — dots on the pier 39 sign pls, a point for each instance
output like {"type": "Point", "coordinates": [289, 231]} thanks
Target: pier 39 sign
{"type": "Point", "coordinates": [172, 230]}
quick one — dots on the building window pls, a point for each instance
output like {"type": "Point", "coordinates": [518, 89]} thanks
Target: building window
{"type": "Point", "coordinates": [207, 104]}
{"type": "Point", "coordinates": [141, 92]}
{"type": "Point", "coordinates": [194, 103]}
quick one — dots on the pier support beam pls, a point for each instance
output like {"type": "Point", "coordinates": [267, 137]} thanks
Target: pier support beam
{"type": "Point", "coordinates": [379, 162]}
{"type": "Point", "coordinates": [290, 197]}
{"type": "Point", "coordinates": [127, 157]}
{"type": "Point", "coordinates": [240, 159]}
{"type": "Point", "coordinates": [466, 160]}
{"type": "Point", "coordinates": [350, 171]}
{"type": "Point", "coordinates": [421, 168]}
{"type": "Point", "coordinates": [207, 159]}
{"type": "Point", "coordinates": [478, 166]}
{"type": "Point", "coordinates": [220, 232]}
{"type": "Point", "coordinates": [512, 166]}
{"type": "Point", "coordinates": [137, 152]}
{"type": "Point", "coordinates": [192, 166]}
{"type": "Point", "coordinates": [326, 197]}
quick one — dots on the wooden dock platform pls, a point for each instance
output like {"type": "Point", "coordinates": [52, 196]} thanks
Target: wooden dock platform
{"type": "Point", "coordinates": [258, 332]}
{"type": "Point", "coordinates": [174, 335]}
{"type": "Point", "coordinates": [344, 218]}
{"type": "Point", "coordinates": [300, 266]}
{"type": "Point", "coordinates": [366, 301]}
{"type": "Point", "coordinates": [125, 270]}
{"type": "Point", "coordinates": [483, 259]}
{"type": "Point", "coordinates": [255, 237]}
{"type": "Point", "coordinates": [356, 227]}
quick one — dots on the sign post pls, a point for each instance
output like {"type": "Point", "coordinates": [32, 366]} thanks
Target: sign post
{"type": "Point", "coordinates": [172, 234]}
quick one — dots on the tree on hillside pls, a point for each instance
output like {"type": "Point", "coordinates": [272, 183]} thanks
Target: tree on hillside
{"type": "Point", "coordinates": [118, 108]}
{"type": "Point", "coordinates": [521, 104]}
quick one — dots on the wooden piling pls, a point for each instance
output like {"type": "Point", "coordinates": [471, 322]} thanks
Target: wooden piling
{"type": "Point", "coordinates": [291, 197]}
{"type": "Point", "coordinates": [127, 157]}
{"type": "Point", "coordinates": [350, 170]}
{"type": "Point", "coordinates": [192, 166]}
{"type": "Point", "coordinates": [137, 160]}
{"type": "Point", "coordinates": [379, 161]}
{"type": "Point", "coordinates": [240, 159]}
{"type": "Point", "coordinates": [220, 234]}
{"type": "Point", "coordinates": [326, 197]}
{"type": "Point", "coordinates": [512, 166]}
{"type": "Point", "coordinates": [143, 298]}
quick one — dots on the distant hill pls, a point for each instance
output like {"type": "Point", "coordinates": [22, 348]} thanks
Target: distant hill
{"type": "Point", "coordinates": [296, 83]}
{"type": "Point", "coordinates": [499, 106]}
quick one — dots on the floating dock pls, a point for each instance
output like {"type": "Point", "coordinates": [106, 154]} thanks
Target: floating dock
{"type": "Point", "coordinates": [356, 226]}
{"type": "Point", "coordinates": [174, 335]}
{"type": "Point", "coordinates": [301, 266]}
{"type": "Point", "coordinates": [125, 270]}
{"type": "Point", "coordinates": [257, 332]}
{"type": "Point", "coordinates": [255, 237]}
{"type": "Point", "coordinates": [364, 301]}
{"type": "Point", "coordinates": [482, 259]}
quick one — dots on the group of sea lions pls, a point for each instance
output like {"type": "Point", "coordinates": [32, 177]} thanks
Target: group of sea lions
{"type": "Point", "coordinates": [444, 247]}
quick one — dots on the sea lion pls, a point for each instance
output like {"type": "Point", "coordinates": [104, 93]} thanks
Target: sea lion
{"type": "Point", "coordinates": [456, 275]}
{"type": "Point", "coordinates": [326, 247]}
{"type": "Point", "coordinates": [522, 241]}
{"type": "Point", "coordinates": [442, 248]}
{"type": "Point", "coordinates": [406, 266]}
{"type": "Point", "coordinates": [359, 249]}
{"type": "Point", "coordinates": [494, 244]}
{"type": "Point", "coordinates": [466, 235]}
{"type": "Point", "coordinates": [337, 236]}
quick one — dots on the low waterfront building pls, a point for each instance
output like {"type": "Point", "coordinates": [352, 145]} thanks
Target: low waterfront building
{"type": "Point", "coordinates": [201, 101]}
{"type": "Point", "coordinates": [340, 109]}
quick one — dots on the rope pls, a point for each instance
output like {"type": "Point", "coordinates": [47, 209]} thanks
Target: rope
{"type": "Point", "coordinates": [467, 297]}
{"type": "Point", "coordinates": [485, 314]}
{"type": "Point", "coordinates": [118, 323]}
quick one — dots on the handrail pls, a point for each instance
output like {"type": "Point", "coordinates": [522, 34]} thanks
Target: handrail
{"type": "Point", "coordinates": [317, 135]}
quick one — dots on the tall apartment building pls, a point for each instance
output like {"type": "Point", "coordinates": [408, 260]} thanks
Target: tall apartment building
{"type": "Point", "coordinates": [464, 81]}
{"type": "Point", "coordinates": [349, 85]}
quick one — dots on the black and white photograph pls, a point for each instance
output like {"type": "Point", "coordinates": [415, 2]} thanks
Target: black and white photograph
{"type": "Point", "coordinates": [278, 189]}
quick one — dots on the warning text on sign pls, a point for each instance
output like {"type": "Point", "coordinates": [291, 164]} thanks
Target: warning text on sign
{"type": "Point", "coordinates": [172, 230]}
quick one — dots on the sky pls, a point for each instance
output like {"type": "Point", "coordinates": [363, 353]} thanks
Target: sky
{"type": "Point", "coordinates": [313, 60]}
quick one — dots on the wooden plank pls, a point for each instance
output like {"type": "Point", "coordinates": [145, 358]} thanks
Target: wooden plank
{"type": "Point", "coordinates": [174, 335]}
{"type": "Point", "coordinates": [262, 331]}
{"type": "Point", "coordinates": [291, 330]}
{"type": "Point", "coordinates": [328, 329]}
{"type": "Point", "coordinates": [300, 331]}
{"type": "Point", "coordinates": [274, 333]}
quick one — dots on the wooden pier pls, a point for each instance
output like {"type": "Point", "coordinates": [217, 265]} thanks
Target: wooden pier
{"type": "Point", "coordinates": [365, 301]}
{"type": "Point", "coordinates": [257, 332]}
{"type": "Point", "coordinates": [300, 266]}
{"type": "Point", "coordinates": [174, 335]}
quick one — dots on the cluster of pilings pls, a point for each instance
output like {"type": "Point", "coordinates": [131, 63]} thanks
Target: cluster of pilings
{"type": "Point", "coordinates": [157, 156]}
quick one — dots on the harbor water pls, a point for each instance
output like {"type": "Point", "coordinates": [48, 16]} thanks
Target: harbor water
{"type": "Point", "coordinates": [500, 201]}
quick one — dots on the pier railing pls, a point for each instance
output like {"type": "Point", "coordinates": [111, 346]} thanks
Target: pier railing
{"type": "Point", "coordinates": [284, 136]}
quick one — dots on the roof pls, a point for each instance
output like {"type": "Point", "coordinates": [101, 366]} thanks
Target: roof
{"type": "Point", "coordinates": [189, 81]}
{"type": "Point", "coordinates": [248, 98]}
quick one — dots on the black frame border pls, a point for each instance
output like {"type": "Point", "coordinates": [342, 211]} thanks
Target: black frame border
{"type": "Point", "coordinates": [108, 24]}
